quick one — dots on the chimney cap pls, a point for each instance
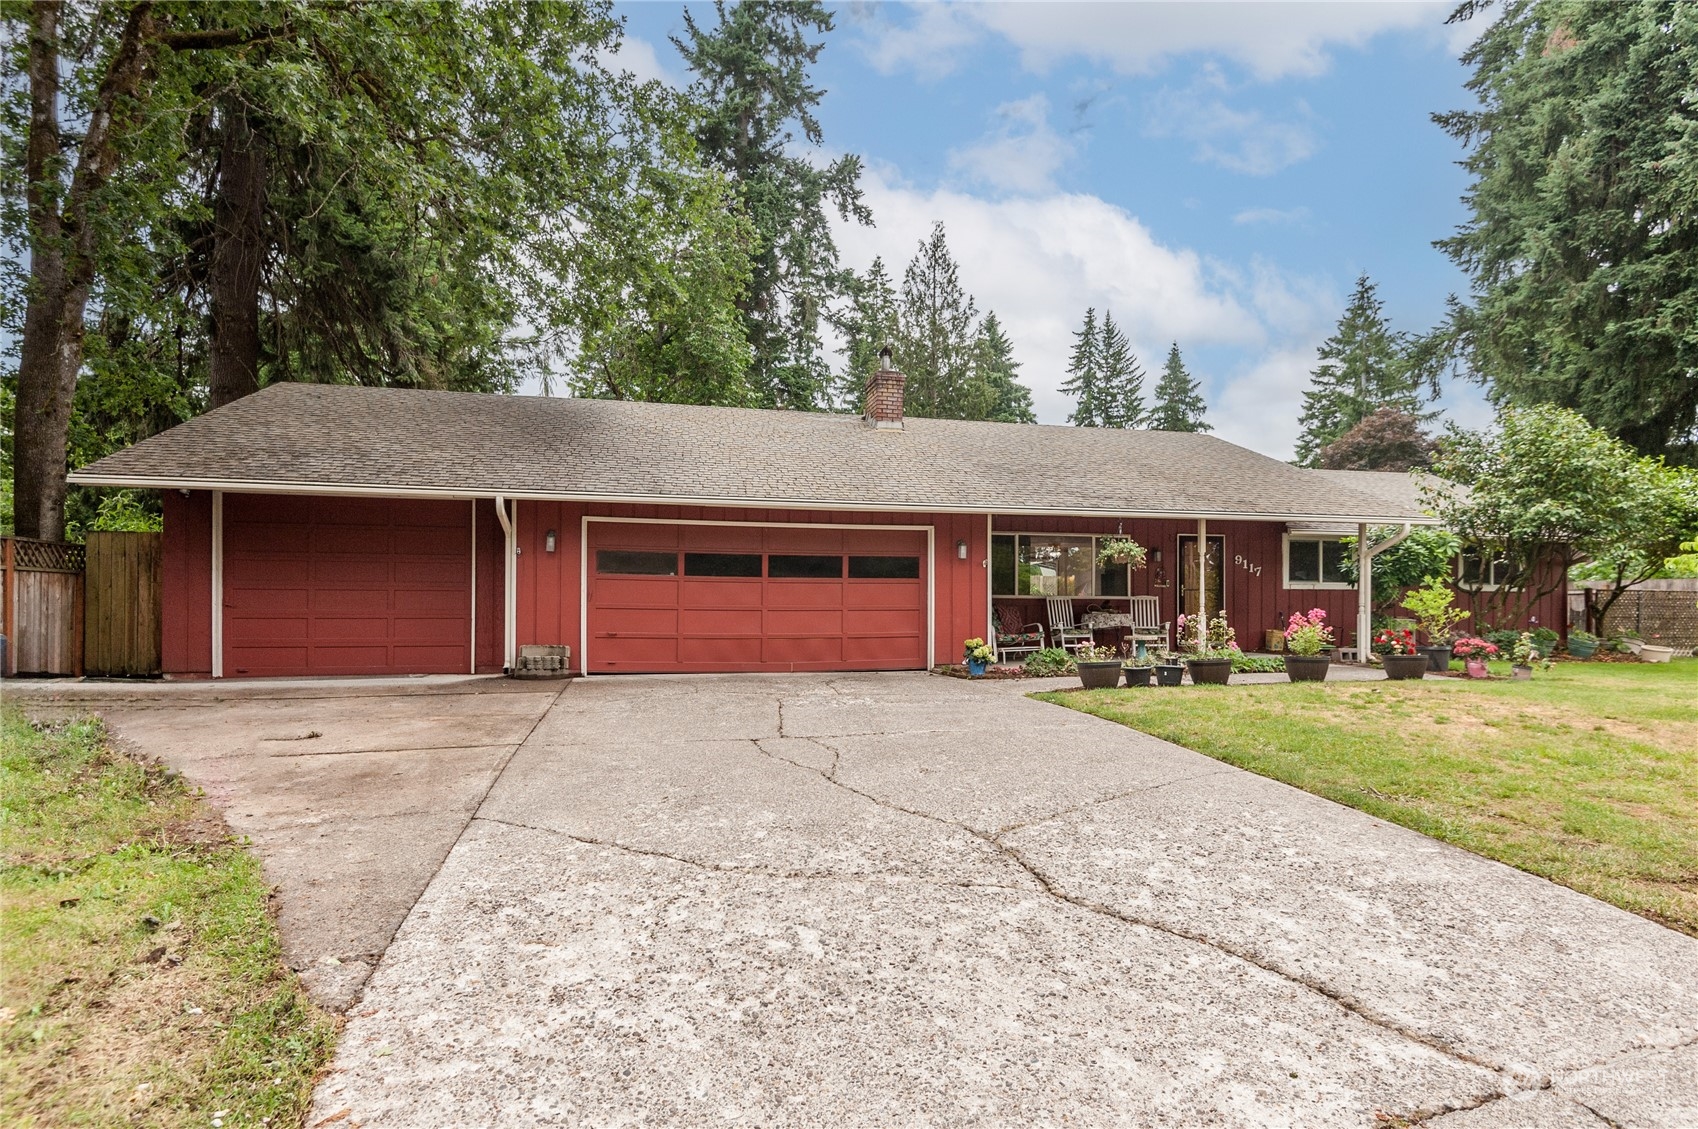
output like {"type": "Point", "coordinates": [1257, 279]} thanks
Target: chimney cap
{"type": "Point", "coordinates": [884, 358]}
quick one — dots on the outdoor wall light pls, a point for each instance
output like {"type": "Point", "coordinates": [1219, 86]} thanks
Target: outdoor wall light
{"type": "Point", "coordinates": [548, 542]}
{"type": "Point", "coordinates": [1155, 555]}
{"type": "Point", "coordinates": [961, 549]}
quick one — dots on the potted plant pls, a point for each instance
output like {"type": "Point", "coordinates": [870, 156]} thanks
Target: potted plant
{"type": "Point", "coordinates": [1306, 636]}
{"type": "Point", "coordinates": [1432, 605]}
{"type": "Point", "coordinates": [1138, 664]}
{"type": "Point", "coordinates": [1099, 667]}
{"type": "Point", "coordinates": [1655, 652]}
{"type": "Point", "coordinates": [1582, 644]}
{"type": "Point", "coordinates": [1474, 651]}
{"type": "Point", "coordinates": [978, 655]}
{"type": "Point", "coordinates": [1210, 662]}
{"type": "Point", "coordinates": [1399, 655]}
{"type": "Point", "coordinates": [1526, 655]}
{"type": "Point", "coordinates": [1120, 550]}
{"type": "Point", "coordinates": [1169, 670]}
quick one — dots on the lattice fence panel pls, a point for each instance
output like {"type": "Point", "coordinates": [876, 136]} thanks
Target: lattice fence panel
{"type": "Point", "coordinates": [1669, 618]}
{"type": "Point", "coordinates": [46, 556]}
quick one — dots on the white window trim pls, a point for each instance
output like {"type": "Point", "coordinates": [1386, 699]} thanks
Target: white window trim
{"type": "Point", "coordinates": [1017, 533]}
{"type": "Point", "coordinates": [1308, 585]}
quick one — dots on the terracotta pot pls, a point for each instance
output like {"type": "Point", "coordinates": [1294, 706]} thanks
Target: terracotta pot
{"type": "Point", "coordinates": [1399, 667]}
{"type": "Point", "coordinates": [1209, 672]}
{"type": "Point", "coordinates": [1307, 668]}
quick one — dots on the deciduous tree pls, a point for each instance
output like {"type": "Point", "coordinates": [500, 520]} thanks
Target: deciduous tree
{"type": "Point", "coordinates": [1384, 439]}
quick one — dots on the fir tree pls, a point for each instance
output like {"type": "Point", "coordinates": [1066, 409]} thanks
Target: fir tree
{"type": "Point", "coordinates": [1084, 374]}
{"type": "Point", "coordinates": [936, 321]}
{"type": "Point", "coordinates": [1362, 369]}
{"type": "Point", "coordinates": [1178, 398]}
{"type": "Point", "coordinates": [752, 80]}
{"type": "Point", "coordinates": [1007, 400]}
{"type": "Point", "coordinates": [1121, 379]}
{"type": "Point", "coordinates": [868, 325]}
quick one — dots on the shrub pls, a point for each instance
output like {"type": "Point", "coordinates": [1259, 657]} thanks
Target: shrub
{"type": "Point", "coordinates": [1049, 662]}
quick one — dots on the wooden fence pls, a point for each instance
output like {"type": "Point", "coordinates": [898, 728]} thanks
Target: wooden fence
{"type": "Point", "coordinates": [43, 606]}
{"type": "Point", "coordinates": [121, 590]}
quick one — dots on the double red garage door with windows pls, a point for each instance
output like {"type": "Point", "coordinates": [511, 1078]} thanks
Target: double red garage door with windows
{"type": "Point", "coordinates": [672, 597]}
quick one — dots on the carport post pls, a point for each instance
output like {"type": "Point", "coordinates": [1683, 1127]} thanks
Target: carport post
{"type": "Point", "coordinates": [510, 574]}
{"type": "Point", "coordinates": [1364, 592]}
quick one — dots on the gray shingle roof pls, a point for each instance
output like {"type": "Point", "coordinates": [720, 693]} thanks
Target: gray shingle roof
{"type": "Point", "coordinates": [383, 440]}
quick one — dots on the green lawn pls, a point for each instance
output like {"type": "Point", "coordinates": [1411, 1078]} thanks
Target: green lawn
{"type": "Point", "coordinates": [143, 983]}
{"type": "Point", "coordinates": [1587, 775]}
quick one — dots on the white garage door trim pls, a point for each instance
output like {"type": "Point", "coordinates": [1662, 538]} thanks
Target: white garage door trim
{"type": "Point", "coordinates": [584, 568]}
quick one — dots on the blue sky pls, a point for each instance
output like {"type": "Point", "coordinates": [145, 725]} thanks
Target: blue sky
{"type": "Point", "coordinates": [1214, 173]}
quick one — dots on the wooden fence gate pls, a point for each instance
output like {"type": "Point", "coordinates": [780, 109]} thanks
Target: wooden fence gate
{"type": "Point", "coordinates": [43, 606]}
{"type": "Point", "coordinates": [121, 590]}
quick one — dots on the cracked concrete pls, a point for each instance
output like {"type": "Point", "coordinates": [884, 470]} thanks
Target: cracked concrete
{"type": "Point", "coordinates": [894, 900]}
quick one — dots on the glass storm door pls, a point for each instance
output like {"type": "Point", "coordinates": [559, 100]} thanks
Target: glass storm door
{"type": "Point", "coordinates": [1188, 574]}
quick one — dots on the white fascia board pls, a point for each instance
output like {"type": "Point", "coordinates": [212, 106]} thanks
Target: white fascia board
{"type": "Point", "coordinates": [394, 491]}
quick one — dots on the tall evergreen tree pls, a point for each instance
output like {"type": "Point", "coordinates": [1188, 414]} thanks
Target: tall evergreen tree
{"type": "Point", "coordinates": [752, 77]}
{"type": "Point", "coordinates": [1362, 369]}
{"type": "Point", "coordinates": [868, 324]}
{"type": "Point", "coordinates": [1122, 378]}
{"type": "Point", "coordinates": [936, 321]}
{"type": "Point", "coordinates": [1179, 402]}
{"type": "Point", "coordinates": [1583, 232]}
{"type": "Point", "coordinates": [1084, 375]}
{"type": "Point", "coordinates": [996, 373]}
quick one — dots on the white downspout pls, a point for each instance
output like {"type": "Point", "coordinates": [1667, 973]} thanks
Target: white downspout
{"type": "Point", "coordinates": [1365, 554]}
{"type": "Point", "coordinates": [510, 572]}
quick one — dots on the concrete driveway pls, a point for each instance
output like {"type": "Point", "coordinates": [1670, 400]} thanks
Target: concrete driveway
{"type": "Point", "coordinates": [903, 900]}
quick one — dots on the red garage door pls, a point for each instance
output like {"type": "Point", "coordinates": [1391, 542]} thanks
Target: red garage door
{"type": "Point", "coordinates": [346, 586]}
{"type": "Point", "coordinates": [726, 597]}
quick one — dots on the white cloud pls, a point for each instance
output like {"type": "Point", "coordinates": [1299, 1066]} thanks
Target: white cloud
{"type": "Point", "coordinates": [1270, 39]}
{"type": "Point", "coordinates": [1260, 407]}
{"type": "Point", "coordinates": [639, 58]}
{"type": "Point", "coordinates": [1038, 261]}
{"type": "Point", "coordinates": [1021, 154]}
{"type": "Point", "coordinates": [1242, 141]}
{"type": "Point", "coordinates": [1279, 217]}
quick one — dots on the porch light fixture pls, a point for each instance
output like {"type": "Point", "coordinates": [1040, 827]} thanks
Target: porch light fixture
{"type": "Point", "coordinates": [961, 550]}
{"type": "Point", "coordinates": [548, 542]}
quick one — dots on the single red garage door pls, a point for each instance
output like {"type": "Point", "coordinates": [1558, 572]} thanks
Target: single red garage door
{"type": "Point", "coordinates": [346, 586]}
{"type": "Point", "coordinates": [729, 597]}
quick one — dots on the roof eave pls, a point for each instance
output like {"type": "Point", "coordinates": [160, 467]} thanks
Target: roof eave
{"type": "Point", "coordinates": [249, 486]}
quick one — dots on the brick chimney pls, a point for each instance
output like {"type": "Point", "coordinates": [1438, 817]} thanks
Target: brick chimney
{"type": "Point", "coordinates": [884, 395]}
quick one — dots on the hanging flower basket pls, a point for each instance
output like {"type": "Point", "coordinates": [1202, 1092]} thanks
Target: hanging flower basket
{"type": "Point", "coordinates": [1121, 551]}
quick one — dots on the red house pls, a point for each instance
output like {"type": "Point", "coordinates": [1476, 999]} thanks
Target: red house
{"type": "Point", "coordinates": [327, 529]}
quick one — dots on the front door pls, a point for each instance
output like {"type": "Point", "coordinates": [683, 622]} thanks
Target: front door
{"type": "Point", "coordinates": [1188, 587]}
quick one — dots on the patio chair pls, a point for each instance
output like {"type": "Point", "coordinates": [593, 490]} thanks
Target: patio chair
{"type": "Point", "coordinates": [1014, 637]}
{"type": "Point", "coordinates": [1147, 624]}
{"type": "Point", "coordinates": [1064, 628]}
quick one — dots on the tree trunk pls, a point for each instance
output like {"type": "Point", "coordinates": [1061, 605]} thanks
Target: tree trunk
{"type": "Point", "coordinates": [238, 253]}
{"type": "Point", "coordinates": [44, 401]}
{"type": "Point", "coordinates": [62, 253]}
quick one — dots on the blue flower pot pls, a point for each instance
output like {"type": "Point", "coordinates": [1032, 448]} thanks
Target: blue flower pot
{"type": "Point", "coordinates": [976, 668]}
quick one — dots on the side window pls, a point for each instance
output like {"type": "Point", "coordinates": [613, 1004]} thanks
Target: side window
{"type": "Point", "coordinates": [1316, 562]}
{"type": "Point", "coordinates": [627, 562]}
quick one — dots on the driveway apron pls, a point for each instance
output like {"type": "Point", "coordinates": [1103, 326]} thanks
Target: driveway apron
{"type": "Point", "coordinates": [901, 900]}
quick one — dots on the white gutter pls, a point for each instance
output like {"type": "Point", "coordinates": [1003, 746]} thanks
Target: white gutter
{"type": "Point", "coordinates": [510, 573]}
{"type": "Point", "coordinates": [236, 486]}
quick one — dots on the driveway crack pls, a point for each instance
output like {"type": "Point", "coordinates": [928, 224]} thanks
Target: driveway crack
{"type": "Point", "coordinates": [1050, 887]}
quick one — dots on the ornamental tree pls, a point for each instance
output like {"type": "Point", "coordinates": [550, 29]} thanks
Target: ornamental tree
{"type": "Point", "coordinates": [1544, 491]}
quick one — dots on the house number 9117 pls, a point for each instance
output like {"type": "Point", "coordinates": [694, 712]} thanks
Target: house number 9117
{"type": "Point", "coordinates": [1243, 563]}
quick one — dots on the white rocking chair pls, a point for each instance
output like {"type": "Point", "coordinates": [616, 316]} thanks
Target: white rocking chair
{"type": "Point", "coordinates": [1064, 629]}
{"type": "Point", "coordinates": [1147, 624]}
